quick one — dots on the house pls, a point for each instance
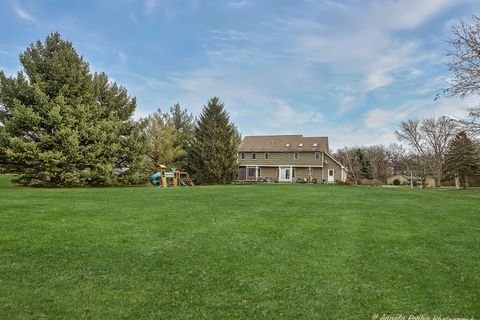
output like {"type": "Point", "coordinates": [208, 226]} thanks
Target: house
{"type": "Point", "coordinates": [288, 158]}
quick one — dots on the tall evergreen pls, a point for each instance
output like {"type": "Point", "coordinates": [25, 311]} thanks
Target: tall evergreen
{"type": "Point", "coordinates": [213, 155]}
{"type": "Point", "coordinates": [366, 168]}
{"type": "Point", "coordinates": [64, 125]}
{"type": "Point", "coordinates": [462, 160]}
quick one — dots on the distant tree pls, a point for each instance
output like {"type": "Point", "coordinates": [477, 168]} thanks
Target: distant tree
{"type": "Point", "coordinates": [213, 155]}
{"type": "Point", "coordinates": [464, 63]}
{"type": "Point", "coordinates": [428, 140]}
{"type": "Point", "coordinates": [462, 160]}
{"type": "Point", "coordinates": [162, 138]}
{"type": "Point", "coordinates": [64, 125]}
{"type": "Point", "coordinates": [184, 124]}
{"type": "Point", "coordinates": [366, 169]}
{"type": "Point", "coordinates": [379, 157]}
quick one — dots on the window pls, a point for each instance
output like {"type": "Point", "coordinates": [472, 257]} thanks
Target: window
{"type": "Point", "coordinates": [287, 145]}
{"type": "Point", "coordinates": [295, 156]}
{"type": "Point", "coordinates": [254, 156]}
{"type": "Point", "coordinates": [315, 145]}
{"type": "Point", "coordinates": [317, 155]}
{"type": "Point", "coordinates": [242, 156]}
{"type": "Point", "coordinates": [300, 145]}
{"type": "Point", "coordinates": [293, 173]}
{"type": "Point", "coordinates": [259, 172]}
{"type": "Point", "coordinates": [267, 155]}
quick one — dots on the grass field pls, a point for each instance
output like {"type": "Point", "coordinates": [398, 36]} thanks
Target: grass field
{"type": "Point", "coordinates": [238, 252]}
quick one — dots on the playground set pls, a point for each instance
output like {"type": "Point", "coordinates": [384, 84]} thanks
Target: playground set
{"type": "Point", "coordinates": [172, 178]}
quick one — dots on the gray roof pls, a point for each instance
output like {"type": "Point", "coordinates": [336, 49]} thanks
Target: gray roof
{"type": "Point", "coordinates": [283, 143]}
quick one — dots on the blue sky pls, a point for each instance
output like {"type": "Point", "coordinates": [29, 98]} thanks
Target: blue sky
{"type": "Point", "coordinates": [351, 70]}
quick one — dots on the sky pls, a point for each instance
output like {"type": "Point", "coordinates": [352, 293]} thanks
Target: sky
{"type": "Point", "coordinates": [349, 70]}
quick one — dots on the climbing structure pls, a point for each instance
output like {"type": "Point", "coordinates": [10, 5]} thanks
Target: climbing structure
{"type": "Point", "coordinates": [172, 178]}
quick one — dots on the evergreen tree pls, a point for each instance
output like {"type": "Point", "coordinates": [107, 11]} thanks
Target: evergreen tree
{"type": "Point", "coordinates": [366, 168]}
{"type": "Point", "coordinates": [462, 160]}
{"type": "Point", "coordinates": [184, 124]}
{"type": "Point", "coordinates": [64, 125]}
{"type": "Point", "coordinates": [213, 155]}
{"type": "Point", "coordinates": [161, 141]}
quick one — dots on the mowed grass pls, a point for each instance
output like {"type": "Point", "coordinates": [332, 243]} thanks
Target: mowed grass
{"type": "Point", "coordinates": [238, 252]}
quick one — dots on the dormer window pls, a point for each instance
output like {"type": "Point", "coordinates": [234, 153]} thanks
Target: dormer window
{"type": "Point", "coordinates": [315, 145]}
{"type": "Point", "coordinates": [300, 145]}
{"type": "Point", "coordinates": [287, 145]}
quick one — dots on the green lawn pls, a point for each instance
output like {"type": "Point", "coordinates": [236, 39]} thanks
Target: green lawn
{"type": "Point", "coordinates": [238, 252]}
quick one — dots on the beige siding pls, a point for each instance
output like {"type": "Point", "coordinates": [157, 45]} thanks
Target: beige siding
{"type": "Point", "coordinates": [280, 158]}
{"type": "Point", "coordinates": [268, 172]}
{"type": "Point", "coordinates": [301, 173]}
{"type": "Point", "coordinates": [317, 174]}
{"type": "Point", "coordinates": [331, 164]}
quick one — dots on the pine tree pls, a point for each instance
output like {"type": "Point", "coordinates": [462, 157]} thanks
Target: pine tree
{"type": "Point", "coordinates": [366, 168]}
{"type": "Point", "coordinates": [213, 155]}
{"type": "Point", "coordinates": [462, 160]}
{"type": "Point", "coordinates": [64, 125]}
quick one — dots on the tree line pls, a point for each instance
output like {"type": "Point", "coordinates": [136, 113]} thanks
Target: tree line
{"type": "Point", "coordinates": [445, 148]}
{"type": "Point", "coordinates": [62, 125]}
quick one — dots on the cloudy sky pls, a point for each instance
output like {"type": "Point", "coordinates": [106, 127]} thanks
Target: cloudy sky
{"type": "Point", "coordinates": [347, 69]}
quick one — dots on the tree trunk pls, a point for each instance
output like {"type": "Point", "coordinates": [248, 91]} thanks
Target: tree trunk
{"type": "Point", "coordinates": [457, 182]}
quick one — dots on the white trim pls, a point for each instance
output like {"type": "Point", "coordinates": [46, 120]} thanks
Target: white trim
{"type": "Point", "coordinates": [341, 165]}
{"type": "Point", "coordinates": [280, 165]}
{"type": "Point", "coordinates": [333, 176]}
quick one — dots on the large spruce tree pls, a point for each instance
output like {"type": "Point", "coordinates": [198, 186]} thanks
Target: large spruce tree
{"type": "Point", "coordinates": [63, 125]}
{"type": "Point", "coordinates": [213, 154]}
{"type": "Point", "coordinates": [462, 160]}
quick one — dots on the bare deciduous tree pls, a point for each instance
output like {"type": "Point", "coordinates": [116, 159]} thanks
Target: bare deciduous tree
{"type": "Point", "coordinates": [348, 157]}
{"type": "Point", "coordinates": [428, 140]}
{"type": "Point", "coordinates": [464, 64]}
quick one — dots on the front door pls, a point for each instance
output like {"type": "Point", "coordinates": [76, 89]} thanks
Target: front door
{"type": "Point", "coordinates": [331, 176]}
{"type": "Point", "coordinates": [285, 174]}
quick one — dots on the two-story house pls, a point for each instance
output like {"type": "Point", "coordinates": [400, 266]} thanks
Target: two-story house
{"type": "Point", "coordinates": [288, 158]}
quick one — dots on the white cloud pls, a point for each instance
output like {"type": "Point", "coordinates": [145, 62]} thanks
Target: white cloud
{"type": "Point", "coordinates": [239, 4]}
{"type": "Point", "coordinates": [419, 109]}
{"type": "Point", "coordinates": [24, 14]}
{"type": "Point", "coordinates": [150, 6]}
{"type": "Point", "coordinates": [122, 57]}
{"type": "Point", "coordinates": [283, 115]}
